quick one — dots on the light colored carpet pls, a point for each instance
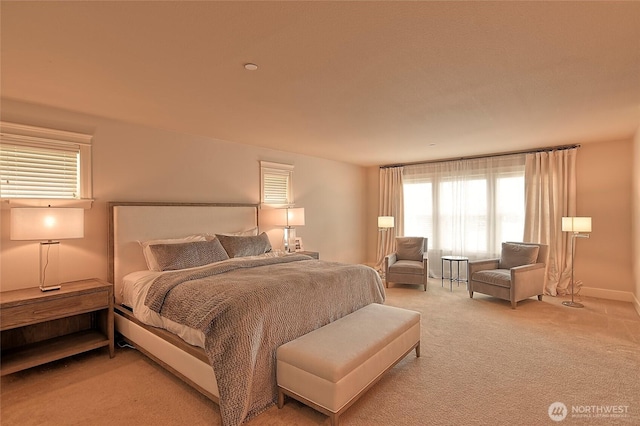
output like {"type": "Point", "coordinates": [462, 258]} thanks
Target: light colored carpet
{"type": "Point", "coordinates": [481, 363]}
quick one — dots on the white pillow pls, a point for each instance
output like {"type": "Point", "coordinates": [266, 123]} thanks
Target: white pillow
{"type": "Point", "coordinates": [152, 263]}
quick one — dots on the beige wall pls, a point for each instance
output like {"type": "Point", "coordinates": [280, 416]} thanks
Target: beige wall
{"type": "Point", "coordinates": [636, 218]}
{"type": "Point", "coordinates": [605, 261]}
{"type": "Point", "coordinates": [132, 162]}
{"type": "Point", "coordinates": [373, 183]}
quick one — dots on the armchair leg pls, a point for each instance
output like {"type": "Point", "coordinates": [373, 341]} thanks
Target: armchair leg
{"type": "Point", "coordinates": [540, 297]}
{"type": "Point", "coordinates": [470, 294]}
{"type": "Point", "coordinates": [513, 304]}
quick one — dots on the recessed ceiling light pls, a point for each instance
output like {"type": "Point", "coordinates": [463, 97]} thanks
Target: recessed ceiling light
{"type": "Point", "coordinates": [250, 67]}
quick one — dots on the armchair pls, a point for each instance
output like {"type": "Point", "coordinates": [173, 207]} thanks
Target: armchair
{"type": "Point", "coordinates": [409, 264]}
{"type": "Point", "coordinates": [518, 274]}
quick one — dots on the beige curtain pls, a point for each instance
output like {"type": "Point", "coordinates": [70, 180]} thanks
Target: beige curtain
{"type": "Point", "coordinates": [550, 194]}
{"type": "Point", "coordinates": [391, 203]}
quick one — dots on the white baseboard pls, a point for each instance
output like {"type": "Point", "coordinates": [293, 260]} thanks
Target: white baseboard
{"type": "Point", "coordinates": [622, 296]}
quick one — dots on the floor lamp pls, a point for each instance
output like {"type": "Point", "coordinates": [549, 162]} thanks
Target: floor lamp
{"type": "Point", "coordinates": [579, 228]}
{"type": "Point", "coordinates": [384, 224]}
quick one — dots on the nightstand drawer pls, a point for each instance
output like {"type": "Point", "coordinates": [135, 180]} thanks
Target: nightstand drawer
{"type": "Point", "coordinates": [38, 311]}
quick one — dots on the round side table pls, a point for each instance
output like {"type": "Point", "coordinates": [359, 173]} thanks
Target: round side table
{"type": "Point", "coordinates": [458, 260]}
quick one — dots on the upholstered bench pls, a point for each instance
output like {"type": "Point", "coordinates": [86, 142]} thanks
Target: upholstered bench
{"type": "Point", "coordinates": [329, 368]}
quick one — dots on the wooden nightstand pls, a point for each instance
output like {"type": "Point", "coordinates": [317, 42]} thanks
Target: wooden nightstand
{"type": "Point", "coordinates": [313, 254]}
{"type": "Point", "coordinates": [39, 327]}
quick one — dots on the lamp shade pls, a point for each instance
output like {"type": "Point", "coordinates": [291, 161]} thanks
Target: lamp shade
{"type": "Point", "coordinates": [291, 217]}
{"type": "Point", "coordinates": [576, 224]}
{"type": "Point", "coordinates": [386, 222]}
{"type": "Point", "coordinates": [46, 223]}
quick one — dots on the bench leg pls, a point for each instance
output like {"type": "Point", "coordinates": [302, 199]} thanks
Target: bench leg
{"type": "Point", "coordinates": [280, 398]}
{"type": "Point", "coordinates": [334, 419]}
{"type": "Point", "coordinates": [418, 350]}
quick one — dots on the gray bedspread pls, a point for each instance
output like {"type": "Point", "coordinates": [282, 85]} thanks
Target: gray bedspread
{"type": "Point", "coordinates": [246, 308]}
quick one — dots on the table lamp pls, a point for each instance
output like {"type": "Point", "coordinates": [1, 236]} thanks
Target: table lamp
{"type": "Point", "coordinates": [47, 224]}
{"type": "Point", "coordinates": [291, 218]}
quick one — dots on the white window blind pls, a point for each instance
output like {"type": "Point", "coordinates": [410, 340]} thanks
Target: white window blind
{"type": "Point", "coordinates": [38, 172]}
{"type": "Point", "coordinates": [277, 183]}
{"type": "Point", "coordinates": [37, 167]}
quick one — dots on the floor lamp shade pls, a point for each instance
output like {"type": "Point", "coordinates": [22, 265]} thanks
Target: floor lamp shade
{"type": "Point", "coordinates": [47, 225]}
{"type": "Point", "coordinates": [386, 222]}
{"type": "Point", "coordinates": [576, 224]}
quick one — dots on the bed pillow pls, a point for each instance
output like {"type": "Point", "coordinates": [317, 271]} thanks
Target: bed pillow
{"type": "Point", "coordinates": [171, 257]}
{"type": "Point", "coordinates": [246, 233]}
{"type": "Point", "coordinates": [152, 265]}
{"type": "Point", "coordinates": [240, 246]}
{"type": "Point", "coordinates": [517, 255]}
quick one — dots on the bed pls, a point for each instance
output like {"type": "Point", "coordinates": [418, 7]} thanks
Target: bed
{"type": "Point", "coordinates": [216, 324]}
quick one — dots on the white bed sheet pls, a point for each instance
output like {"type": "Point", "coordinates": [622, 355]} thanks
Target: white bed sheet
{"type": "Point", "coordinates": [134, 291]}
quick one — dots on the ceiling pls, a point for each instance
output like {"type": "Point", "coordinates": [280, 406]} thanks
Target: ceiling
{"type": "Point", "coordinates": [368, 83]}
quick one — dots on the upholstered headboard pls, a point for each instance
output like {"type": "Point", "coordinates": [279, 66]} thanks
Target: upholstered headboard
{"type": "Point", "coordinates": [131, 222]}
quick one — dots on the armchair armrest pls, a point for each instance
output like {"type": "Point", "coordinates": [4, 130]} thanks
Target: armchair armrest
{"type": "Point", "coordinates": [425, 265]}
{"type": "Point", "coordinates": [389, 260]}
{"type": "Point", "coordinates": [527, 281]}
{"type": "Point", "coordinates": [525, 268]}
{"type": "Point", "coordinates": [482, 265]}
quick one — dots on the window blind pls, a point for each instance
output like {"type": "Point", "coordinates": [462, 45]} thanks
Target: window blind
{"type": "Point", "coordinates": [32, 170]}
{"type": "Point", "coordinates": [277, 183]}
{"type": "Point", "coordinates": [276, 187]}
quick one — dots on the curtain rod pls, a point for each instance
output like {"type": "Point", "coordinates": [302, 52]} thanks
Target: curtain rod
{"type": "Point", "coordinates": [473, 157]}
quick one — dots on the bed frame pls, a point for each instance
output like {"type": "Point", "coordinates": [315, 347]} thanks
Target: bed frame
{"type": "Point", "coordinates": [130, 222]}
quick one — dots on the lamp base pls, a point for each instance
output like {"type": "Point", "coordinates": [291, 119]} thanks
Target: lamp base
{"type": "Point", "coordinates": [289, 239]}
{"type": "Point", "coordinates": [50, 287]}
{"type": "Point", "coordinates": [50, 265]}
{"type": "Point", "coordinates": [573, 304]}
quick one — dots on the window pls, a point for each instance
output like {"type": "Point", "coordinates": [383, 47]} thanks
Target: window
{"type": "Point", "coordinates": [277, 184]}
{"type": "Point", "coordinates": [466, 207]}
{"type": "Point", "coordinates": [418, 199]}
{"type": "Point", "coordinates": [37, 163]}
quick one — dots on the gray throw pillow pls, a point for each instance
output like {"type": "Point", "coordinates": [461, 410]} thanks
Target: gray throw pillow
{"type": "Point", "coordinates": [171, 257]}
{"type": "Point", "coordinates": [409, 248]}
{"type": "Point", "coordinates": [240, 246]}
{"type": "Point", "coordinates": [517, 255]}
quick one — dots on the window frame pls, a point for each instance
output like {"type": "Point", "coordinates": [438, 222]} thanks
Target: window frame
{"type": "Point", "coordinates": [270, 169]}
{"type": "Point", "coordinates": [40, 137]}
